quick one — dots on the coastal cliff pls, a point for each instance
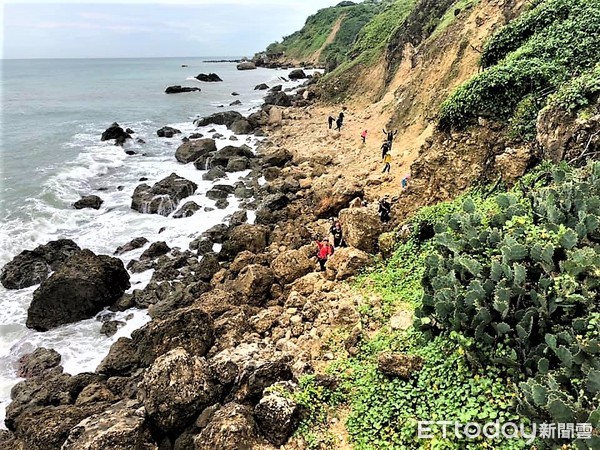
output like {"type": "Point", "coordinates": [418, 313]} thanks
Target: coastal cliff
{"type": "Point", "coordinates": [441, 313]}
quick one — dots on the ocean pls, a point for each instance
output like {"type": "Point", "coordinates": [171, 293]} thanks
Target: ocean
{"type": "Point", "coordinates": [53, 114]}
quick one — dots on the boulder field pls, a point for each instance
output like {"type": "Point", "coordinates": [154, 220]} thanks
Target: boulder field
{"type": "Point", "coordinates": [237, 317]}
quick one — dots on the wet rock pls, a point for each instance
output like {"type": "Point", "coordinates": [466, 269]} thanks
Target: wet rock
{"type": "Point", "coordinates": [214, 174]}
{"type": "Point", "coordinates": [110, 327]}
{"type": "Point", "coordinates": [190, 328]}
{"type": "Point", "coordinates": [202, 245]}
{"type": "Point", "coordinates": [120, 427]}
{"type": "Point", "coordinates": [89, 201]}
{"type": "Point", "coordinates": [163, 197]}
{"type": "Point", "coordinates": [167, 132]}
{"type": "Point", "coordinates": [115, 132]}
{"type": "Point", "coordinates": [32, 267]}
{"type": "Point", "coordinates": [235, 103]}
{"type": "Point", "coordinates": [261, 87]}
{"type": "Point", "coordinates": [238, 218]}
{"type": "Point", "coordinates": [36, 363]}
{"type": "Point", "coordinates": [134, 244]}
{"type": "Point", "coordinates": [222, 204]}
{"type": "Point", "coordinates": [176, 389]}
{"type": "Point", "coordinates": [192, 150]}
{"type": "Point", "coordinates": [121, 360]}
{"type": "Point", "coordinates": [155, 250]}
{"type": "Point", "coordinates": [187, 210]}
{"type": "Point", "coordinates": [78, 290]}
{"type": "Point", "coordinates": [177, 89]}
{"type": "Point", "coordinates": [276, 88]}
{"type": "Point", "coordinates": [216, 193]}
{"type": "Point", "coordinates": [232, 427]}
{"type": "Point", "coordinates": [399, 365]}
{"type": "Point", "coordinates": [362, 228]}
{"type": "Point", "coordinates": [209, 78]}
{"type": "Point", "coordinates": [346, 262]}
{"type": "Point", "coordinates": [278, 99]}
{"type": "Point", "coordinates": [277, 417]}
{"type": "Point", "coordinates": [291, 265]}
{"type": "Point", "coordinates": [226, 118]}
{"type": "Point", "coordinates": [196, 136]}
{"type": "Point", "coordinates": [296, 74]}
{"type": "Point", "coordinates": [135, 266]}
{"type": "Point", "coordinates": [222, 157]}
{"type": "Point", "coordinates": [216, 233]}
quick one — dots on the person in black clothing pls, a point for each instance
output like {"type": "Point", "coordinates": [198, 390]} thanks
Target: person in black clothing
{"type": "Point", "coordinates": [390, 135]}
{"type": "Point", "coordinates": [385, 148]}
{"type": "Point", "coordinates": [341, 116]}
{"type": "Point", "coordinates": [336, 232]}
{"type": "Point", "coordinates": [338, 123]}
{"type": "Point", "coordinates": [330, 120]}
{"type": "Point", "coordinates": [384, 209]}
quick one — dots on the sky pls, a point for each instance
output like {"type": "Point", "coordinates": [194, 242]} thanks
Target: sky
{"type": "Point", "coordinates": [118, 29]}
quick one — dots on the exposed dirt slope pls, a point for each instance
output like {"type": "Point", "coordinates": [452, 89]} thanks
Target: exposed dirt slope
{"type": "Point", "coordinates": [334, 31]}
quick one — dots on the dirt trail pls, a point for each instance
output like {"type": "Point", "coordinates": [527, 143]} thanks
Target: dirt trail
{"type": "Point", "coordinates": [336, 27]}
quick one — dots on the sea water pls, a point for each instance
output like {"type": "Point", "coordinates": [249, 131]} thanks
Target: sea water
{"type": "Point", "coordinates": [53, 114]}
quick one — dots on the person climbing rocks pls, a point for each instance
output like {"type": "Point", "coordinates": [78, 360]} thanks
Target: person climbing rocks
{"type": "Point", "coordinates": [330, 120]}
{"type": "Point", "coordinates": [324, 251]}
{"type": "Point", "coordinates": [363, 136]}
{"type": "Point", "coordinates": [338, 123]}
{"type": "Point", "coordinates": [404, 181]}
{"type": "Point", "coordinates": [387, 159]}
{"type": "Point", "coordinates": [341, 117]}
{"type": "Point", "coordinates": [385, 148]}
{"type": "Point", "coordinates": [336, 232]}
{"type": "Point", "coordinates": [385, 209]}
{"type": "Point", "coordinates": [390, 135]}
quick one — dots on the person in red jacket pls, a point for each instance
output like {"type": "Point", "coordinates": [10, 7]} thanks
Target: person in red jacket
{"type": "Point", "coordinates": [324, 251]}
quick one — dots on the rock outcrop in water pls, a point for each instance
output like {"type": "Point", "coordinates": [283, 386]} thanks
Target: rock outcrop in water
{"type": "Point", "coordinates": [81, 287]}
{"type": "Point", "coordinates": [31, 267]}
{"type": "Point", "coordinates": [117, 133]}
{"type": "Point", "coordinates": [177, 89]}
{"type": "Point", "coordinates": [89, 201]}
{"type": "Point", "coordinates": [163, 197]}
{"type": "Point", "coordinates": [209, 78]}
{"type": "Point", "coordinates": [192, 150]}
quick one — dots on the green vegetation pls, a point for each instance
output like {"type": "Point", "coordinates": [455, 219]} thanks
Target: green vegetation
{"type": "Point", "coordinates": [451, 15]}
{"type": "Point", "coordinates": [521, 287]}
{"type": "Point", "coordinates": [508, 321]}
{"type": "Point", "coordinates": [533, 56]}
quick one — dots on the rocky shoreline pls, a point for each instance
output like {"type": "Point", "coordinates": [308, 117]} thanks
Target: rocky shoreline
{"type": "Point", "coordinates": [231, 331]}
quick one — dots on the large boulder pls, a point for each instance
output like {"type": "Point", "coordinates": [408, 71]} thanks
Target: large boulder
{"type": "Point", "coordinates": [255, 282]}
{"type": "Point", "coordinates": [278, 99]}
{"type": "Point", "coordinates": [163, 197]}
{"type": "Point", "coordinates": [88, 201]}
{"type": "Point", "coordinates": [277, 417]}
{"type": "Point", "coordinates": [221, 118]}
{"type": "Point", "coordinates": [192, 150]}
{"type": "Point", "coordinates": [291, 265]}
{"type": "Point", "coordinates": [36, 363]}
{"type": "Point", "coordinates": [297, 74]}
{"type": "Point", "coordinates": [241, 126]}
{"type": "Point", "coordinates": [179, 89]}
{"type": "Point", "coordinates": [231, 428]}
{"type": "Point", "coordinates": [190, 328]}
{"type": "Point", "coordinates": [261, 87]}
{"type": "Point", "coordinates": [120, 427]}
{"type": "Point", "coordinates": [209, 78]}
{"type": "Point", "coordinates": [48, 428]}
{"type": "Point", "coordinates": [362, 227]}
{"type": "Point", "coordinates": [346, 262]}
{"type": "Point", "coordinates": [84, 285]}
{"type": "Point", "coordinates": [222, 157]}
{"type": "Point", "coordinates": [122, 359]}
{"type": "Point", "coordinates": [167, 132]}
{"type": "Point", "coordinates": [246, 65]}
{"type": "Point", "coordinates": [32, 266]}
{"type": "Point", "coordinates": [155, 250]}
{"type": "Point", "coordinates": [176, 389]}
{"type": "Point", "coordinates": [115, 132]}
{"type": "Point", "coordinates": [253, 238]}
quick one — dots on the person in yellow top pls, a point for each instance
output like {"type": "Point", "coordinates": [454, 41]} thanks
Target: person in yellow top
{"type": "Point", "coordinates": [387, 159]}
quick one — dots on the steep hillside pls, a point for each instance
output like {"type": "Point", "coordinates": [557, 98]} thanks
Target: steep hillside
{"type": "Point", "coordinates": [327, 36]}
